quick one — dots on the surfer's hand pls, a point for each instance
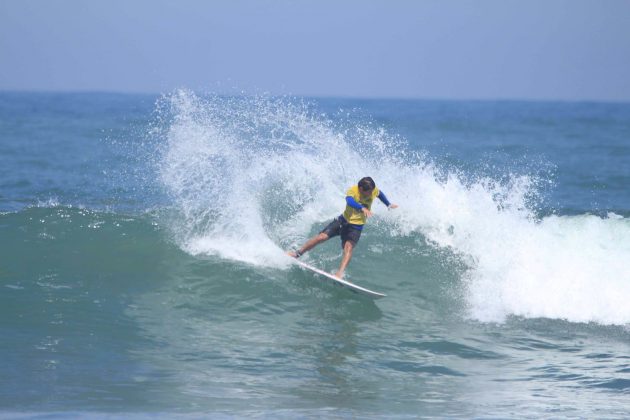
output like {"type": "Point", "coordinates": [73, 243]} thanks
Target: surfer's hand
{"type": "Point", "coordinates": [367, 212]}
{"type": "Point", "coordinates": [393, 206]}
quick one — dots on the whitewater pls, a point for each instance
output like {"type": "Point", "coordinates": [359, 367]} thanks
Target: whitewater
{"type": "Point", "coordinates": [251, 177]}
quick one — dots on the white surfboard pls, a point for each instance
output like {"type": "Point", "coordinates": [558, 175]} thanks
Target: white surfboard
{"type": "Point", "coordinates": [335, 280]}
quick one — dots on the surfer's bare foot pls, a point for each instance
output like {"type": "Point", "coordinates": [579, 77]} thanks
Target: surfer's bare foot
{"type": "Point", "coordinates": [339, 275]}
{"type": "Point", "coordinates": [294, 254]}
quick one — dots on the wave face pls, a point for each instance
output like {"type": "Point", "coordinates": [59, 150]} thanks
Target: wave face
{"type": "Point", "coordinates": [250, 177]}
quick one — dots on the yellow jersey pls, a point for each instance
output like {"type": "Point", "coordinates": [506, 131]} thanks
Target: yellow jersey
{"type": "Point", "coordinates": [355, 216]}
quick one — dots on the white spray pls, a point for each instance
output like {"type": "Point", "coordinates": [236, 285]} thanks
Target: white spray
{"type": "Point", "coordinates": [251, 176]}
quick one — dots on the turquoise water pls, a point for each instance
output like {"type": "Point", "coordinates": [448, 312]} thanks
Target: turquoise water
{"type": "Point", "coordinates": [142, 269]}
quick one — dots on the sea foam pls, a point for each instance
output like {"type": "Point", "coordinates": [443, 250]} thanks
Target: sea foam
{"type": "Point", "coordinates": [249, 177]}
{"type": "Point", "coordinates": [567, 267]}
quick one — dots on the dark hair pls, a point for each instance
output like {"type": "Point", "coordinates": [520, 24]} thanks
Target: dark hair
{"type": "Point", "coordinates": [366, 183]}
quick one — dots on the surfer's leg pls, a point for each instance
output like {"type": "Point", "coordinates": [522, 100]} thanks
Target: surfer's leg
{"type": "Point", "coordinates": [333, 229]}
{"type": "Point", "coordinates": [310, 244]}
{"type": "Point", "coordinates": [348, 247]}
{"type": "Point", "coordinates": [349, 239]}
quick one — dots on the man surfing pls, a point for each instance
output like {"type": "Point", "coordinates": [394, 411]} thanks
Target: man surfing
{"type": "Point", "coordinates": [349, 225]}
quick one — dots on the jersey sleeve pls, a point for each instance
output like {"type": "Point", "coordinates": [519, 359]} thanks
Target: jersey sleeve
{"type": "Point", "coordinates": [381, 196]}
{"type": "Point", "coordinates": [353, 203]}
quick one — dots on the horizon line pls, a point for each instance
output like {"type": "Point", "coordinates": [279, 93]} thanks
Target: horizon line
{"type": "Point", "coordinates": [243, 93]}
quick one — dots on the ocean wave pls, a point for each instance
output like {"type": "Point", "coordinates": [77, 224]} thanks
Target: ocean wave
{"type": "Point", "coordinates": [250, 177]}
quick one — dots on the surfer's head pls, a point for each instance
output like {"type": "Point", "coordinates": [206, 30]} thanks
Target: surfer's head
{"type": "Point", "coordinates": [366, 185]}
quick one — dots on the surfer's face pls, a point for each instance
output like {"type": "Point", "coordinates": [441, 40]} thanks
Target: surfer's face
{"type": "Point", "coordinates": [365, 193]}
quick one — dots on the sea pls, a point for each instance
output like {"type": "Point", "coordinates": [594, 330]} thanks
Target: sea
{"type": "Point", "coordinates": [143, 271]}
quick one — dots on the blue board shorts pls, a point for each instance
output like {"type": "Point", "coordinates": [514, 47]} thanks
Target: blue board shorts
{"type": "Point", "coordinates": [340, 226]}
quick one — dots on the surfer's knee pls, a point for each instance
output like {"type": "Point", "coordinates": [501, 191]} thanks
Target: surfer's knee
{"type": "Point", "coordinates": [322, 237]}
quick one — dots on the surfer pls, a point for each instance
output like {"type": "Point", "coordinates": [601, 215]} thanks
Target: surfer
{"type": "Point", "coordinates": [348, 225]}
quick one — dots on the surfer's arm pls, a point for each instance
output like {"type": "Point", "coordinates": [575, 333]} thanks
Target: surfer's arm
{"type": "Point", "coordinates": [381, 196]}
{"type": "Point", "coordinates": [358, 206]}
{"type": "Point", "coordinates": [353, 203]}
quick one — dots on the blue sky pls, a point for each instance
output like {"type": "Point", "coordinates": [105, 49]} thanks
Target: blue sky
{"type": "Point", "coordinates": [482, 49]}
